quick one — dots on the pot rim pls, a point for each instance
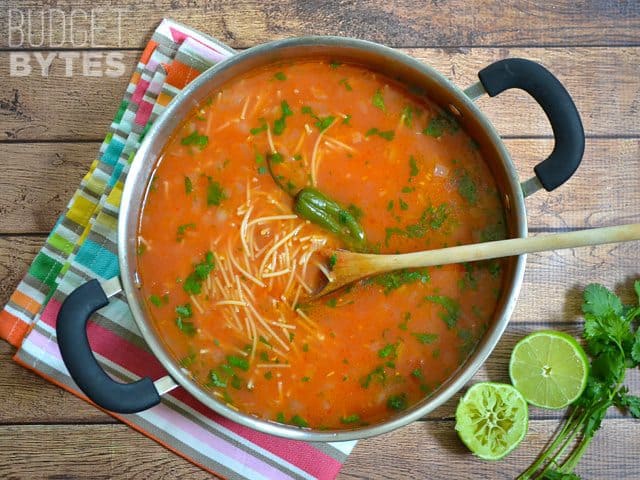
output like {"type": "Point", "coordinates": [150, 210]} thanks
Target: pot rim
{"type": "Point", "coordinates": [172, 117]}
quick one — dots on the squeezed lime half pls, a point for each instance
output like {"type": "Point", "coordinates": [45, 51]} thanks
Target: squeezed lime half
{"type": "Point", "coordinates": [549, 368]}
{"type": "Point", "coordinates": [492, 419]}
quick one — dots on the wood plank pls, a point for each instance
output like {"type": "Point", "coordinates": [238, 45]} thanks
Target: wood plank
{"type": "Point", "coordinates": [39, 179]}
{"type": "Point", "coordinates": [432, 450]}
{"type": "Point", "coordinates": [247, 22]}
{"type": "Point", "coordinates": [419, 450]}
{"type": "Point", "coordinates": [603, 81]}
{"type": "Point", "coordinates": [89, 452]}
{"type": "Point", "coordinates": [55, 105]}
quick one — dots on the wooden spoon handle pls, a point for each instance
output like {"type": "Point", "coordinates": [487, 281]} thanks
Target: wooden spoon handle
{"type": "Point", "coordinates": [504, 248]}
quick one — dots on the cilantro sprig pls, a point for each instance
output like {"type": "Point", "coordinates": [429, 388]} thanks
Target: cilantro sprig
{"type": "Point", "coordinates": [612, 339]}
{"type": "Point", "coordinates": [280, 123]}
{"type": "Point", "coordinates": [322, 123]}
{"type": "Point", "coordinates": [193, 283]}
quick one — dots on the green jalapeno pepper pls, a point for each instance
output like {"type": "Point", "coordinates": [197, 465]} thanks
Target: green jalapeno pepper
{"type": "Point", "coordinates": [316, 207]}
{"type": "Point", "coordinates": [311, 204]}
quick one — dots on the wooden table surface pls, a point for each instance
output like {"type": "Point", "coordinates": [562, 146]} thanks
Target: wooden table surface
{"type": "Point", "coordinates": [51, 127]}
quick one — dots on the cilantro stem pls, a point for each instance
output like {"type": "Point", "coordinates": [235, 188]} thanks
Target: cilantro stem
{"type": "Point", "coordinates": [572, 430]}
{"type": "Point", "coordinates": [567, 433]}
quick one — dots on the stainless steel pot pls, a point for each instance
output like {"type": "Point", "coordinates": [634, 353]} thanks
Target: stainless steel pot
{"type": "Point", "coordinates": [502, 75]}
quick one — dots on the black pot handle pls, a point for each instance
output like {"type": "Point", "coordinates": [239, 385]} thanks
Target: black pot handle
{"type": "Point", "coordinates": [556, 102]}
{"type": "Point", "coordinates": [76, 353]}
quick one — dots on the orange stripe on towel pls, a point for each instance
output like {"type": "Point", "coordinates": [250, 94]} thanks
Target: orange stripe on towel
{"type": "Point", "coordinates": [12, 329]}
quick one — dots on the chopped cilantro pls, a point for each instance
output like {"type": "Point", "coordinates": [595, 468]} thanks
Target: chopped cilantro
{"type": "Point", "coordinates": [354, 418]}
{"type": "Point", "coordinates": [398, 402]}
{"type": "Point", "coordinates": [467, 187]}
{"type": "Point", "coordinates": [193, 283]}
{"type": "Point", "coordinates": [280, 418]}
{"type": "Point", "coordinates": [468, 341]}
{"type": "Point", "coordinates": [468, 280]}
{"type": "Point", "coordinates": [389, 350]}
{"type": "Point", "coordinates": [346, 119]}
{"type": "Point", "coordinates": [413, 167]}
{"type": "Point", "coordinates": [196, 140]}
{"type": "Point", "coordinates": [407, 115]}
{"type": "Point", "coordinates": [298, 421]}
{"type": "Point", "coordinates": [305, 347]}
{"type": "Point", "coordinates": [182, 230]}
{"type": "Point", "coordinates": [332, 302]}
{"type": "Point", "coordinates": [425, 338]}
{"type": "Point", "coordinates": [496, 231]}
{"type": "Point", "coordinates": [334, 64]}
{"type": "Point", "coordinates": [403, 205]}
{"type": "Point", "coordinates": [393, 280]}
{"type": "Point", "coordinates": [451, 308]}
{"type": "Point", "coordinates": [432, 218]}
{"type": "Point", "coordinates": [185, 326]}
{"type": "Point", "coordinates": [268, 375]}
{"type": "Point", "coordinates": [215, 193]}
{"type": "Point", "coordinates": [238, 362]}
{"type": "Point", "coordinates": [322, 123]}
{"type": "Point", "coordinates": [275, 157]}
{"type": "Point", "coordinates": [377, 373]}
{"type": "Point", "coordinates": [280, 123]}
{"type": "Point", "coordinates": [440, 124]}
{"type": "Point", "coordinates": [280, 76]}
{"type": "Point", "coordinates": [305, 379]}
{"type": "Point", "coordinates": [261, 128]}
{"type": "Point", "coordinates": [185, 311]}
{"type": "Point", "coordinates": [403, 325]}
{"type": "Point", "coordinates": [236, 382]}
{"type": "Point", "coordinates": [378, 101]}
{"type": "Point", "coordinates": [406, 189]}
{"type": "Point", "coordinates": [346, 84]}
{"type": "Point", "coordinates": [188, 186]}
{"type": "Point", "coordinates": [417, 373]}
{"type": "Point", "coordinates": [494, 268]}
{"type": "Point", "coordinates": [332, 260]}
{"type": "Point", "coordinates": [156, 300]}
{"type": "Point", "coordinates": [387, 134]}
{"type": "Point", "coordinates": [390, 205]}
{"type": "Point", "coordinates": [188, 360]}
{"type": "Point", "coordinates": [215, 380]}
{"type": "Point", "coordinates": [262, 169]}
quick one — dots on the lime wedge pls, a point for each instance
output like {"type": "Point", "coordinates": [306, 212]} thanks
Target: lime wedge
{"type": "Point", "coordinates": [549, 368]}
{"type": "Point", "coordinates": [492, 419]}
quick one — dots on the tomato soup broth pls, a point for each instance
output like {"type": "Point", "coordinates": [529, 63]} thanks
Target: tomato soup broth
{"type": "Point", "coordinates": [226, 263]}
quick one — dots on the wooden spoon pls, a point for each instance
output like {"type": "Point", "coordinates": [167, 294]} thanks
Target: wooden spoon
{"type": "Point", "coordinates": [346, 267]}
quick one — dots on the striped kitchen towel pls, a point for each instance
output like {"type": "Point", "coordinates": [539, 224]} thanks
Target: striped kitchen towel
{"type": "Point", "coordinates": [82, 246]}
